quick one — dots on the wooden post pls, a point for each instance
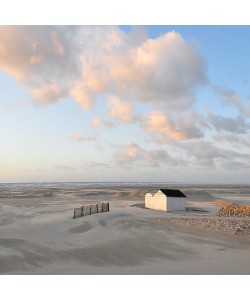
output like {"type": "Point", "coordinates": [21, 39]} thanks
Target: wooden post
{"type": "Point", "coordinates": [77, 213]}
{"type": "Point", "coordinates": [93, 209]}
{"type": "Point", "coordinates": [90, 209]}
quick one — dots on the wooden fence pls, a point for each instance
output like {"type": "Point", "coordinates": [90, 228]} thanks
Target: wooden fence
{"type": "Point", "coordinates": [91, 209]}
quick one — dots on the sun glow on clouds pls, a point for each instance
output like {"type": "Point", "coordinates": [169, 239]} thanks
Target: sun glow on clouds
{"type": "Point", "coordinates": [96, 122]}
{"type": "Point", "coordinates": [177, 127]}
{"type": "Point", "coordinates": [48, 93]}
{"type": "Point", "coordinates": [120, 110]}
{"type": "Point", "coordinates": [80, 138]}
{"type": "Point", "coordinates": [141, 89]}
{"type": "Point", "coordinates": [131, 153]}
{"type": "Point", "coordinates": [90, 61]}
{"type": "Point", "coordinates": [163, 70]}
{"type": "Point", "coordinates": [157, 122]}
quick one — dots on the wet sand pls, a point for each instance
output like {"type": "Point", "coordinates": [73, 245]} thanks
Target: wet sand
{"type": "Point", "coordinates": [39, 236]}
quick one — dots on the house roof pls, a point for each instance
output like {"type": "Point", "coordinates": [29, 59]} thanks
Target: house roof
{"type": "Point", "coordinates": [172, 193]}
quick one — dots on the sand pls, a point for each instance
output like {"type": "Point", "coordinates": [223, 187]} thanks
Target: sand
{"type": "Point", "coordinates": [39, 236]}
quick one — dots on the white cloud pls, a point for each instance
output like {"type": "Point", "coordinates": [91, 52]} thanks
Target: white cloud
{"type": "Point", "coordinates": [128, 153]}
{"type": "Point", "coordinates": [48, 93]}
{"type": "Point", "coordinates": [97, 122]}
{"type": "Point", "coordinates": [173, 126]}
{"type": "Point", "coordinates": [12, 105]}
{"type": "Point", "coordinates": [233, 139]}
{"type": "Point", "coordinates": [40, 56]}
{"type": "Point", "coordinates": [207, 153]}
{"type": "Point", "coordinates": [235, 125]}
{"type": "Point", "coordinates": [120, 110]}
{"type": "Point", "coordinates": [132, 153]}
{"type": "Point", "coordinates": [80, 138]}
{"type": "Point", "coordinates": [230, 97]}
{"type": "Point", "coordinates": [81, 97]}
{"type": "Point", "coordinates": [92, 61]}
{"type": "Point", "coordinates": [235, 165]}
{"type": "Point", "coordinates": [164, 70]}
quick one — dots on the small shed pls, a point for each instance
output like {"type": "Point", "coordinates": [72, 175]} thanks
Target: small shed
{"type": "Point", "coordinates": [166, 200]}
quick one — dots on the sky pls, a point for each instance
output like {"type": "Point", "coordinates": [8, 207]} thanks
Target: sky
{"type": "Point", "coordinates": [125, 103]}
{"type": "Point", "coordinates": [200, 91]}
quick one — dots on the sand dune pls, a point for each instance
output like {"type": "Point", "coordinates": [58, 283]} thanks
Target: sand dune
{"type": "Point", "coordinates": [220, 203]}
{"type": "Point", "coordinates": [39, 236]}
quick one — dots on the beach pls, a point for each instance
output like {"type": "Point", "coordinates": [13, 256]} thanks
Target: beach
{"type": "Point", "coordinates": [38, 234]}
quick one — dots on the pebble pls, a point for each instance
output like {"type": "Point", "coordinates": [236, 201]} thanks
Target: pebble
{"type": "Point", "coordinates": [237, 227]}
{"type": "Point", "coordinates": [234, 211]}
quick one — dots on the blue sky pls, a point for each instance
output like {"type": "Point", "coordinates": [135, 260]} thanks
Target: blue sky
{"type": "Point", "coordinates": [125, 103]}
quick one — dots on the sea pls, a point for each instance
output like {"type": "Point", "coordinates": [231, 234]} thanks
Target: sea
{"type": "Point", "coordinates": [238, 194]}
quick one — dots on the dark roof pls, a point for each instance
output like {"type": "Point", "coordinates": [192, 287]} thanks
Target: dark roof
{"type": "Point", "coordinates": [172, 193]}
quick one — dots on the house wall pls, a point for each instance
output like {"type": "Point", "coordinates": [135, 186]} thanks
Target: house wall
{"type": "Point", "coordinates": [160, 201]}
{"type": "Point", "coordinates": [157, 202]}
{"type": "Point", "coordinates": [174, 203]}
{"type": "Point", "coordinates": [182, 204]}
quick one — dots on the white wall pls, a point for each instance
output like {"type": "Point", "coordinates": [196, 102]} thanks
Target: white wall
{"type": "Point", "coordinates": [182, 204]}
{"type": "Point", "coordinates": [176, 204]}
{"type": "Point", "coordinates": [170, 204]}
{"type": "Point", "coordinates": [157, 202]}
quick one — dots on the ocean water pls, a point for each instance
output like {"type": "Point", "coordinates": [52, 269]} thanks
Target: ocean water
{"type": "Point", "coordinates": [239, 194]}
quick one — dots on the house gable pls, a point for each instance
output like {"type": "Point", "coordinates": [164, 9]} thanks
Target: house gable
{"type": "Point", "coordinates": [159, 193]}
{"type": "Point", "coordinates": [166, 200]}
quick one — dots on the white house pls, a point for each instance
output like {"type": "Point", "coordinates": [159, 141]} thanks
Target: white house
{"type": "Point", "coordinates": [166, 200]}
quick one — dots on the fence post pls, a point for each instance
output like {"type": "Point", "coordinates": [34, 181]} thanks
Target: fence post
{"type": "Point", "coordinates": [90, 209]}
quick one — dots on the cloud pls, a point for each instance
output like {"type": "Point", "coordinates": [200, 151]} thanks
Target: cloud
{"type": "Point", "coordinates": [246, 111]}
{"type": "Point", "coordinates": [206, 153]}
{"type": "Point", "coordinates": [96, 122]}
{"type": "Point", "coordinates": [168, 70]}
{"type": "Point", "coordinates": [235, 165]}
{"type": "Point", "coordinates": [157, 122]}
{"type": "Point", "coordinates": [165, 70]}
{"type": "Point", "coordinates": [13, 105]}
{"type": "Point", "coordinates": [176, 127]}
{"type": "Point", "coordinates": [81, 97]}
{"type": "Point", "coordinates": [235, 125]}
{"type": "Point", "coordinates": [206, 150]}
{"type": "Point", "coordinates": [233, 139]}
{"type": "Point", "coordinates": [131, 153]}
{"type": "Point", "coordinates": [48, 93]}
{"type": "Point", "coordinates": [120, 110]}
{"type": "Point", "coordinates": [34, 59]}
{"type": "Point", "coordinates": [93, 61]}
{"type": "Point", "coordinates": [79, 138]}
{"type": "Point", "coordinates": [230, 97]}
{"type": "Point", "coordinates": [30, 53]}
{"type": "Point", "coordinates": [41, 57]}
{"type": "Point", "coordinates": [128, 153]}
